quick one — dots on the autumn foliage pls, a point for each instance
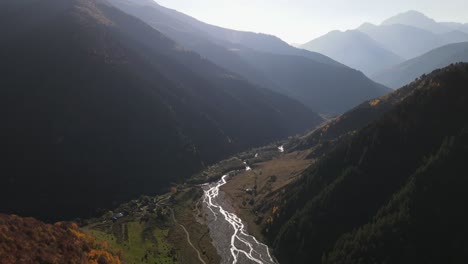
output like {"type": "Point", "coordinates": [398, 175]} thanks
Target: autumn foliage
{"type": "Point", "coordinates": [26, 240]}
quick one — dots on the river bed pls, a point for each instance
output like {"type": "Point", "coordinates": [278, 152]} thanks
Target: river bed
{"type": "Point", "coordinates": [227, 230]}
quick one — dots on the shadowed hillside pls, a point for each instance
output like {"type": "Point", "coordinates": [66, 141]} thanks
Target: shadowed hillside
{"type": "Point", "coordinates": [99, 107]}
{"type": "Point", "coordinates": [423, 222]}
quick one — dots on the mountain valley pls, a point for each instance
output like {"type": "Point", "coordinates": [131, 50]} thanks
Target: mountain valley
{"type": "Point", "coordinates": [135, 133]}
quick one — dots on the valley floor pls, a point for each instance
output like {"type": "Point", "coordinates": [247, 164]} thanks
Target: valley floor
{"type": "Point", "coordinates": [181, 227]}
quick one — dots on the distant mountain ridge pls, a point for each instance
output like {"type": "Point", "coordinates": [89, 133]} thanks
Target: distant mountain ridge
{"type": "Point", "coordinates": [309, 77]}
{"type": "Point", "coordinates": [257, 41]}
{"type": "Point", "coordinates": [406, 41]}
{"type": "Point", "coordinates": [406, 36]}
{"type": "Point", "coordinates": [419, 20]}
{"type": "Point", "coordinates": [406, 72]}
{"type": "Point", "coordinates": [354, 49]}
{"type": "Point", "coordinates": [418, 30]}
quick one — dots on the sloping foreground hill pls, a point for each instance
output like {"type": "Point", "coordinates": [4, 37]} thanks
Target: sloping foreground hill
{"type": "Point", "coordinates": [27, 240]}
{"type": "Point", "coordinates": [345, 125]}
{"type": "Point", "coordinates": [324, 88]}
{"type": "Point", "coordinates": [424, 222]}
{"type": "Point", "coordinates": [345, 190]}
{"type": "Point", "coordinates": [317, 81]}
{"type": "Point", "coordinates": [403, 73]}
{"type": "Point", "coordinates": [98, 107]}
{"type": "Point", "coordinates": [326, 137]}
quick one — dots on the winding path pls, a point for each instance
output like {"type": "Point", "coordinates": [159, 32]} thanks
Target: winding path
{"type": "Point", "coordinates": [188, 237]}
{"type": "Point", "coordinates": [160, 203]}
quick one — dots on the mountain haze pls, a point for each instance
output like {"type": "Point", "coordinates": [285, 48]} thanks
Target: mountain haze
{"type": "Point", "coordinates": [403, 73]}
{"type": "Point", "coordinates": [404, 40]}
{"type": "Point", "coordinates": [375, 48]}
{"type": "Point", "coordinates": [412, 34]}
{"type": "Point", "coordinates": [418, 20]}
{"type": "Point", "coordinates": [355, 49]}
{"type": "Point", "coordinates": [257, 41]}
{"type": "Point", "coordinates": [245, 53]}
{"type": "Point", "coordinates": [321, 87]}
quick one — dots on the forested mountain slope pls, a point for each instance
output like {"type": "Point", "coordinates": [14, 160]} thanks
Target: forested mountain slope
{"type": "Point", "coordinates": [345, 189]}
{"type": "Point", "coordinates": [424, 221]}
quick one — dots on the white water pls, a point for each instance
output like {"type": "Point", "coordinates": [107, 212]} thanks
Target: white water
{"type": "Point", "coordinates": [281, 148]}
{"type": "Point", "coordinates": [247, 167]}
{"type": "Point", "coordinates": [244, 248]}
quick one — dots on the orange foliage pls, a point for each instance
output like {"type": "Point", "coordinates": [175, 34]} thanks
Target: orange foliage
{"type": "Point", "coordinates": [95, 254]}
{"type": "Point", "coordinates": [27, 240]}
{"type": "Point", "coordinates": [374, 102]}
{"type": "Point", "coordinates": [269, 220]}
{"type": "Point", "coordinates": [275, 209]}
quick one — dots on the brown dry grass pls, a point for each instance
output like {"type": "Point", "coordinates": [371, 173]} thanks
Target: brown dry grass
{"type": "Point", "coordinates": [186, 214]}
{"type": "Point", "coordinates": [285, 168]}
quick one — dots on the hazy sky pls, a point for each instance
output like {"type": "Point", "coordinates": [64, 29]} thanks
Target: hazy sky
{"type": "Point", "coordinates": [298, 21]}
